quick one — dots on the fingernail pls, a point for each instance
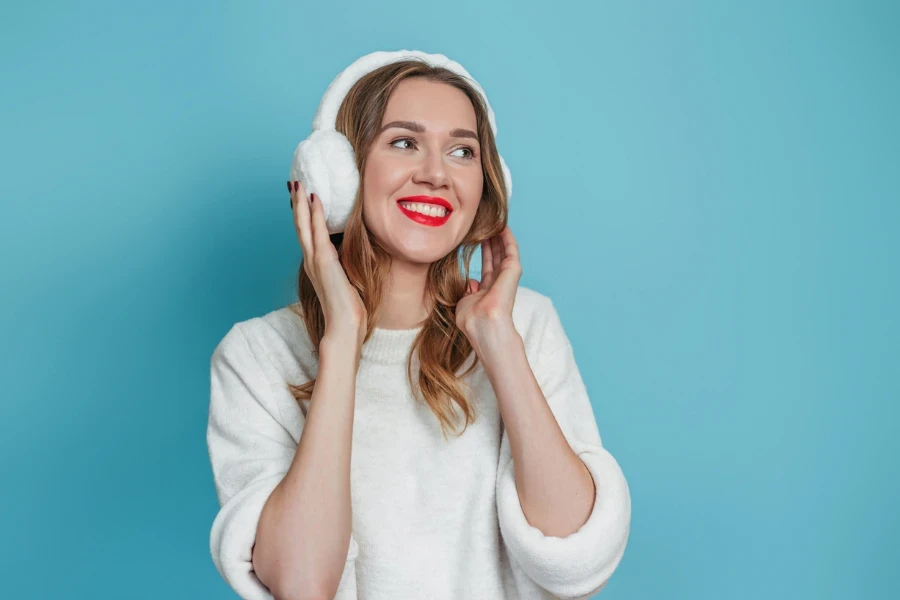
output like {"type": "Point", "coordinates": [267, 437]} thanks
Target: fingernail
{"type": "Point", "coordinates": [312, 198]}
{"type": "Point", "coordinates": [292, 202]}
{"type": "Point", "coordinates": [289, 186]}
{"type": "Point", "coordinates": [296, 185]}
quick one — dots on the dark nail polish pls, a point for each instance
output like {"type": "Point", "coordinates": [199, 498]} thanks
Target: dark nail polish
{"type": "Point", "coordinates": [292, 202]}
{"type": "Point", "coordinates": [296, 185]}
{"type": "Point", "coordinates": [312, 198]}
{"type": "Point", "coordinates": [289, 186]}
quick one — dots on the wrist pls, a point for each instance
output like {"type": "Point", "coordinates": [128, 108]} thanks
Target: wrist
{"type": "Point", "coordinates": [343, 345]}
{"type": "Point", "coordinates": [492, 335]}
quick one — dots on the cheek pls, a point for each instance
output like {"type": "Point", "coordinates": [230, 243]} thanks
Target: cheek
{"type": "Point", "coordinates": [385, 165]}
{"type": "Point", "coordinates": [470, 188]}
{"type": "Point", "coordinates": [383, 176]}
{"type": "Point", "coordinates": [372, 175]}
{"type": "Point", "coordinates": [373, 182]}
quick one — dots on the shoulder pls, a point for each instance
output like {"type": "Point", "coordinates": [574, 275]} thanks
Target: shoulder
{"type": "Point", "coordinates": [277, 341]}
{"type": "Point", "coordinates": [538, 322]}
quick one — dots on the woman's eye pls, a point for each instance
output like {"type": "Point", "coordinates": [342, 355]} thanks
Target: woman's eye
{"type": "Point", "coordinates": [470, 151]}
{"type": "Point", "coordinates": [403, 140]}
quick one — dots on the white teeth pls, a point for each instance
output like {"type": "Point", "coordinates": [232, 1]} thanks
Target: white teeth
{"type": "Point", "coordinates": [431, 210]}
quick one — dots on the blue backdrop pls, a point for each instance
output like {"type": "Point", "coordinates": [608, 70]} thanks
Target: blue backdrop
{"type": "Point", "coordinates": [709, 191]}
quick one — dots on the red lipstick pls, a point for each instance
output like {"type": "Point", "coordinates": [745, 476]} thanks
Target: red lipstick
{"type": "Point", "coordinates": [426, 219]}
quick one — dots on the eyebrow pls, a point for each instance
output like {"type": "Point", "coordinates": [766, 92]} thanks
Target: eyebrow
{"type": "Point", "coordinates": [419, 128]}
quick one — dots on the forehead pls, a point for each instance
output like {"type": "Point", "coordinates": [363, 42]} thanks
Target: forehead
{"type": "Point", "coordinates": [435, 105]}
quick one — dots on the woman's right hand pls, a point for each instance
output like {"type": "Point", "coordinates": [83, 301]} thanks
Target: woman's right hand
{"type": "Point", "coordinates": [345, 313]}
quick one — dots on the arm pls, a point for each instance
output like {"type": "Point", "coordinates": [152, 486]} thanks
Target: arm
{"type": "Point", "coordinates": [568, 534]}
{"type": "Point", "coordinates": [272, 536]}
{"type": "Point", "coordinates": [318, 481]}
{"type": "Point", "coordinates": [555, 488]}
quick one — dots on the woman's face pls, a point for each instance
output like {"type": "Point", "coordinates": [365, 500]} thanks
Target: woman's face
{"type": "Point", "coordinates": [427, 148]}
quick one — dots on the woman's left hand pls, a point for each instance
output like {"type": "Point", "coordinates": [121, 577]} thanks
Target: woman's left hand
{"type": "Point", "coordinates": [491, 300]}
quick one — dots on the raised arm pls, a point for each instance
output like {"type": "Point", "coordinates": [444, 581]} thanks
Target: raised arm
{"type": "Point", "coordinates": [304, 530]}
{"type": "Point", "coordinates": [283, 529]}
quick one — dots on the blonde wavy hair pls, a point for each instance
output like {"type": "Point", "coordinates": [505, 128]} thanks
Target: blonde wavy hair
{"type": "Point", "coordinates": [441, 346]}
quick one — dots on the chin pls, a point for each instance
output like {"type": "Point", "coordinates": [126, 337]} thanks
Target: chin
{"type": "Point", "coordinates": [420, 247]}
{"type": "Point", "coordinates": [416, 244]}
{"type": "Point", "coordinates": [426, 255]}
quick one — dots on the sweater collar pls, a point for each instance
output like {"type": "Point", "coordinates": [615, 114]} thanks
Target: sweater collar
{"type": "Point", "coordinates": [390, 346]}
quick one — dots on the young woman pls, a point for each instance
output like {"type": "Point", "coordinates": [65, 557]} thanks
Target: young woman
{"type": "Point", "coordinates": [329, 418]}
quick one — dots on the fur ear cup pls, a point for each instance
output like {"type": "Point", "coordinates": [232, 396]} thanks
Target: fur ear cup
{"type": "Point", "coordinates": [326, 164]}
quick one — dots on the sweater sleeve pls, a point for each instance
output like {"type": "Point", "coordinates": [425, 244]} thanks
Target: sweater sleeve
{"type": "Point", "coordinates": [250, 451]}
{"type": "Point", "coordinates": [577, 566]}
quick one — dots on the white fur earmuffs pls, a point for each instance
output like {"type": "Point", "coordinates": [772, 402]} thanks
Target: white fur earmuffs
{"type": "Point", "coordinates": [325, 162]}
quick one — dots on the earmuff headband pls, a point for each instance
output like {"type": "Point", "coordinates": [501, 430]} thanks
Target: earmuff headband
{"type": "Point", "coordinates": [325, 162]}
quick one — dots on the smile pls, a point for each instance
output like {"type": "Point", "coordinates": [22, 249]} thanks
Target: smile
{"type": "Point", "coordinates": [426, 210]}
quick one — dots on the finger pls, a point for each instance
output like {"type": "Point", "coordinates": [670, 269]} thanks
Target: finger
{"type": "Point", "coordinates": [302, 221]}
{"type": "Point", "coordinates": [508, 277]}
{"type": "Point", "coordinates": [510, 245]}
{"type": "Point", "coordinates": [321, 239]}
{"type": "Point", "coordinates": [472, 287]}
{"type": "Point", "coordinates": [487, 264]}
{"type": "Point", "coordinates": [508, 280]}
{"type": "Point", "coordinates": [497, 253]}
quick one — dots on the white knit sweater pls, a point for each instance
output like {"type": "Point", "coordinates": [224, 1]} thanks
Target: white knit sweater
{"type": "Point", "coordinates": [432, 519]}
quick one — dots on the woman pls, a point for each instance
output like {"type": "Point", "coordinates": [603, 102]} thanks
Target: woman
{"type": "Point", "coordinates": [329, 418]}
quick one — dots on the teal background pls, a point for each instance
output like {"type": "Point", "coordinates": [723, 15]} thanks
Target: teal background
{"type": "Point", "coordinates": [709, 191]}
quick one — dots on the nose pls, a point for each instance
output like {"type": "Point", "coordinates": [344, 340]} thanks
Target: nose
{"type": "Point", "coordinates": [431, 170]}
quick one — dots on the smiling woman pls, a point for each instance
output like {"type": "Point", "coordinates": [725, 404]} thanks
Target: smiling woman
{"type": "Point", "coordinates": [424, 152]}
{"type": "Point", "coordinates": [329, 418]}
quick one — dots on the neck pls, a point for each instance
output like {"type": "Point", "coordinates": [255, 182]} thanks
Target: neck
{"type": "Point", "coordinates": [405, 305]}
